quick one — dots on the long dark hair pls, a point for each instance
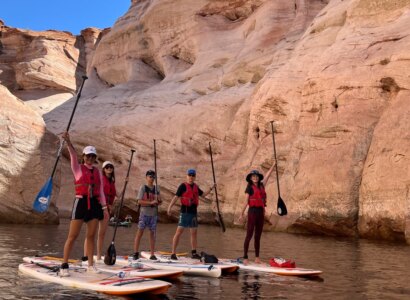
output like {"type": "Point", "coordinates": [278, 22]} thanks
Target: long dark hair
{"type": "Point", "coordinates": [112, 178]}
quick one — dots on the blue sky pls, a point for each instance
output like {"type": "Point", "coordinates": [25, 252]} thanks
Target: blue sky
{"type": "Point", "coordinates": [71, 15]}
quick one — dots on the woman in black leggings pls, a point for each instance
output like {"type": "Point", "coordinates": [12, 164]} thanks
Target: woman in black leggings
{"type": "Point", "coordinates": [256, 200]}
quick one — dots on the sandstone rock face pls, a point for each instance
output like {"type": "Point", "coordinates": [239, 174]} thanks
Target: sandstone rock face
{"type": "Point", "coordinates": [334, 75]}
{"type": "Point", "coordinates": [25, 147]}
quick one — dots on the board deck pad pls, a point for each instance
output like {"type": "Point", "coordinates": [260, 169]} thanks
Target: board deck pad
{"type": "Point", "coordinates": [266, 268]}
{"type": "Point", "coordinates": [101, 282]}
{"type": "Point", "coordinates": [141, 271]}
{"type": "Point", "coordinates": [198, 269]}
{"type": "Point", "coordinates": [226, 267]}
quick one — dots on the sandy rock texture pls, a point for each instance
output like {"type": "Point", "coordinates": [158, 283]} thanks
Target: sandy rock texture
{"type": "Point", "coordinates": [24, 153]}
{"type": "Point", "coordinates": [334, 75]}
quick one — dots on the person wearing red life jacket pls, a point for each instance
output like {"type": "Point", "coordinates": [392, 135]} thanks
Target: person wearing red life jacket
{"type": "Point", "coordinates": [188, 193]}
{"type": "Point", "coordinates": [148, 198]}
{"type": "Point", "coordinates": [110, 193]}
{"type": "Point", "coordinates": [89, 205]}
{"type": "Point", "coordinates": [256, 201]}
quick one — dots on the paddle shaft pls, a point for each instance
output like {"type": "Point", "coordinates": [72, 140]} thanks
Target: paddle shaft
{"type": "Point", "coordinates": [216, 191]}
{"type": "Point", "coordinates": [155, 170]}
{"type": "Point", "coordinates": [122, 196]}
{"type": "Point", "coordinates": [276, 161]}
{"type": "Point", "coordinates": [68, 126]}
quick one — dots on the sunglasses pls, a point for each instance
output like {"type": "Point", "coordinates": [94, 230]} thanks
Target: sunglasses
{"type": "Point", "coordinates": [151, 176]}
{"type": "Point", "coordinates": [109, 167]}
{"type": "Point", "coordinates": [191, 175]}
{"type": "Point", "coordinates": [91, 156]}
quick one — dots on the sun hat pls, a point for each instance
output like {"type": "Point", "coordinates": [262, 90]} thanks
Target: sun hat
{"type": "Point", "coordinates": [254, 172]}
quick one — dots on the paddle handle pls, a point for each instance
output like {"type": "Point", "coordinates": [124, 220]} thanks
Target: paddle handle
{"type": "Point", "coordinates": [68, 126]}
{"type": "Point", "coordinates": [216, 191]}
{"type": "Point", "coordinates": [155, 170]}
{"type": "Point", "coordinates": [122, 196]}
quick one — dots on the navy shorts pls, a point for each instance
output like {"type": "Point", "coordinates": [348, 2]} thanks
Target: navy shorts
{"type": "Point", "coordinates": [81, 212]}
{"type": "Point", "coordinates": [187, 220]}
{"type": "Point", "coordinates": [149, 222]}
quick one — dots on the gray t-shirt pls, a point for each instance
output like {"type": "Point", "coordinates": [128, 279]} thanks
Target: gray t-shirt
{"type": "Point", "coordinates": [147, 210]}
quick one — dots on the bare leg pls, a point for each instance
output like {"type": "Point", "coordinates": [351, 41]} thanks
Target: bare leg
{"type": "Point", "coordinates": [90, 238]}
{"type": "Point", "coordinates": [175, 240]}
{"type": "Point", "coordinates": [152, 241]}
{"type": "Point", "coordinates": [194, 240]}
{"type": "Point", "coordinates": [102, 229]}
{"type": "Point", "coordinates": [75, 227]}
{"type": "Point", "coordinates": [137, 240]}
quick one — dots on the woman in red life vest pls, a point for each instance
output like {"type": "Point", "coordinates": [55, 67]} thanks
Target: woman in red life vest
{"type": "Point", "coordinates": [256, 200]}
{"type": "Point", "coordinates": [89, 205]}
{"type": "Point", "coordinates": [110, 193]}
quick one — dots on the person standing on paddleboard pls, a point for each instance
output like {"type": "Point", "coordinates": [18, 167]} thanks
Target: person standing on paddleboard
{"type": "Point", "coordinates": [256, 200]}
{"type": "Point", "coordinates": [188, 192]}
{"type": "Point", "coordinates": [148, 198]}
{"type": "Point", "coordinates": [89, 204]}
{"type": "Point", "coordinates": [110, 193]}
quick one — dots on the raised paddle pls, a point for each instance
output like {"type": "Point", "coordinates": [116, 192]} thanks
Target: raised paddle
{"type": "Point", "coordinates": [220, 220]}
{"type": "Point", "coordinates": [281, 207]}
{"type": "Point", "coordinates": [43, 199]}
{"type": "Point", "coordinates": [155, 170]}
{"type": "Point", "coordinates": [111, 255]}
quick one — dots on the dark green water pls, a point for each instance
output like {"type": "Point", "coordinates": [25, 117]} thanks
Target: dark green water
{"type": "Point", "coordinates": [353, 269]}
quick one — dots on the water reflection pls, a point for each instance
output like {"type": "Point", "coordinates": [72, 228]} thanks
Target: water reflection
{"type": "Point", "coordinates": [353, 269]}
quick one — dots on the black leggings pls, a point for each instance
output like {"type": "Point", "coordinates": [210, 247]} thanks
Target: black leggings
{"type": "Point", "coordinates": [255, 223]}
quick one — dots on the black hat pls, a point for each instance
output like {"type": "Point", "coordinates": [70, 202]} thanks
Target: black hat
{"type": "Point", "coordinates": [254, 172]}
{"type": "Point", "coordinates": [150, 173]}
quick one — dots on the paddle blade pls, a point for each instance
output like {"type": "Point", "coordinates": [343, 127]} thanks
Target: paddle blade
{"type": "Point", "coordinates": [221, 222]}
{"type": "Point", "coordinates": [282, 210]}
{"type": "Point", "coordinates": [43, 198]}
{"type": "Point", "coordinates": [111, 255]}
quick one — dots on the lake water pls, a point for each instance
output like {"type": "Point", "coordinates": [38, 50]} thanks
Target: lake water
{"type": "Point", "coordinates": [353, 269]}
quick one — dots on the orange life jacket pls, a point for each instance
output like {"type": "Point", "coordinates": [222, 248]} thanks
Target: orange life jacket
{"type": "Point", "coordinates": [190, 196]}
{"type": "Point", "coordinates": [258, 198]}
{"type": "Point", "coordinates": [89, 183]}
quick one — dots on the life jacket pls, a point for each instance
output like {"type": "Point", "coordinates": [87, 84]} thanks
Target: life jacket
{"type": "Point", "coordinates": [109, 190]}
{"type": "Point", "coordinates": [190, 196]}
{"type": "Point", "coordinates": [149, 194]}
{"type": "Point", "coordinates": [89, 183]}
{"type": "Point", "coordinates": [258, 197]}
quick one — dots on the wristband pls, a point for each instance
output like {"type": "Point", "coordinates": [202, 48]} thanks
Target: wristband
{"type": "Point", "coordinates": [104, 207]}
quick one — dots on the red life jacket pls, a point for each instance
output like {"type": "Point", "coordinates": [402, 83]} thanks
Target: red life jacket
{"type": "Point", "coordinates": [89, 183]}
{"type": "Point", "coordinates": [258, 198]}
{"type": "Point", "coordinates": [109, 190]}
{"type": "Point", "coordinates": [190, 196]}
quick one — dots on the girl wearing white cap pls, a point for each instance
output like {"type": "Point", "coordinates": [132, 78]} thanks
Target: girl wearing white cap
{"type": "Point", "coordinates": [110, 193]}
{"type": "Point", "coordinates": [89, 205]}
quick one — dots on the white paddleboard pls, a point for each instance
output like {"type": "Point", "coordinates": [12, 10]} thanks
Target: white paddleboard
{"type": "Point", "coordinates": [265, 268]}
{"type": "Point", "coordinates": [141, 271]}
{"type": "Point", "coordinates": [102, 282]}
{"type": "Point", "coordinates": [198, 269]}
{"type": "Point", "coordinates": [226, 267]}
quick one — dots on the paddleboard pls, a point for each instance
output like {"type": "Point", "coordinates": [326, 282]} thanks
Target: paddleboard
{"type": "Point", "coordinates": [141, 271]}
{"type": "Point", "coordinates": [266, 268]}
{"type": "Point", "coordinates": [102, 282]}
{"type": "Point", "coordinates": [226, 267]}
{"type": "Point", "coordinates": [188, 269]}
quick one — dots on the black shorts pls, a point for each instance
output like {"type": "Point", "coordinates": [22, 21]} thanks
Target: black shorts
{"type": "Point", "coordinates": [81, 212]}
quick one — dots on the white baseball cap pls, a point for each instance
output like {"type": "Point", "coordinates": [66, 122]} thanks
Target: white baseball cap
{"type": "Point", "coordinates": [107, 162]}
{"type": "Point", "coordinates": [89, 150]}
